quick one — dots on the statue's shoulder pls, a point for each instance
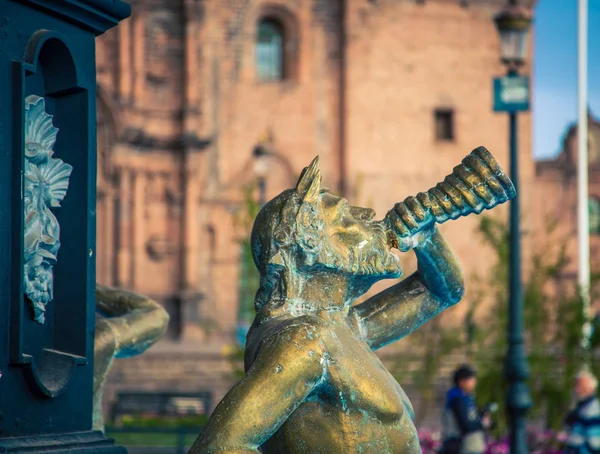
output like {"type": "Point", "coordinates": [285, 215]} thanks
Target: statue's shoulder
{"type": "Point", "coordinates": [304, 332]}
{"type": "Point", "coordinates": [305, 329]}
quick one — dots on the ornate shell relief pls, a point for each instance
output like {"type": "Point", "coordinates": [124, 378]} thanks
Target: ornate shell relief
{"type": "Point", "coordinates": [46, 180]}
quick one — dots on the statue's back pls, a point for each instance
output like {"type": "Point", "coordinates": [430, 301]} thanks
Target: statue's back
{"type": "Point", "coordinates": [356, 407]}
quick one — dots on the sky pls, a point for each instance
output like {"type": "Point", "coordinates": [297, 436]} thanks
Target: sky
{"type": "Point", "coordinates": [555, 71]}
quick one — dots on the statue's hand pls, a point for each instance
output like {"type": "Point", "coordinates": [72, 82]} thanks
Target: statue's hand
{"type": "Point", "coordinates": [411, 224]}
{"type": "Point", "coordinates": [407, 243]}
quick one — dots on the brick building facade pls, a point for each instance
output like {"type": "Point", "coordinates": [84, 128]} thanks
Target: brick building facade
{"type": "Point", "coordinates": [556, 194]}
{"type": "Point", "coordinates": [392, 94]}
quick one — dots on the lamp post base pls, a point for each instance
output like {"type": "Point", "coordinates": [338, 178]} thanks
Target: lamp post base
{"type": "Point", "coordinates": [92, 442]}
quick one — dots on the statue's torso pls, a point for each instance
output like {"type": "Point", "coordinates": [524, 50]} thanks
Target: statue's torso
{"type": "Point", "coordinates": [358, 408]}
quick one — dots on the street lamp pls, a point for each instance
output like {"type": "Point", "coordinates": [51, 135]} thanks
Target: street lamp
{"type": "Point", "coordinates": [262, 161]}
{"type": "Point", "coordinates": [513, 24]}
{"type": "Point", "coordinates": [511, 94]}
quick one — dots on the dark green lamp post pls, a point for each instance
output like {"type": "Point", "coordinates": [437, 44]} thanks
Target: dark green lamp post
{"type": "Point", "coordinates": [512, 96]}
{"type": "Point", "coordinates": [261, 155]}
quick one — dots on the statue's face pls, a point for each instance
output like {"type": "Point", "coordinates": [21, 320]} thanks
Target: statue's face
{"type": "Point", "coordinates": [353, 242]}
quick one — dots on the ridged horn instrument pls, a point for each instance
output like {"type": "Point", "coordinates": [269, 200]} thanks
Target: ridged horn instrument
{"type": "Point", "coordinates": [477, 184]}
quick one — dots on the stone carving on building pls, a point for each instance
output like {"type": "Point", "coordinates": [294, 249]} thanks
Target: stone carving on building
{"type": "Point", "coordinates": [46, 180]}
{"type": "Point", "coordinates": [313, 382]}
{"type": "Point", "coordinates": [162, 46]}
{"type": "Point", "coordinates": [160, 247]}
{"type": "Point", "coordinates": [162, 203]}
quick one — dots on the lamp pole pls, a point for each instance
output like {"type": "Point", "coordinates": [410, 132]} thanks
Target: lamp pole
{"type": "Point", "coordinates": [518, 400]}
{"type": "Point", "coordinates": [262, 155]}
{"type": "Point", "coordinates": [261, 162]}
{"type": "Point", "coordinates": [262, 191]}
{"type": "Point", "coordinates": [511, 96]}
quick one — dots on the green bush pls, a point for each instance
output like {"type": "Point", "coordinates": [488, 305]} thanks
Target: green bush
{"type": "Point", "coordinates": [165, 422]}
{"type": "Point", "coordinates": [553, 322]}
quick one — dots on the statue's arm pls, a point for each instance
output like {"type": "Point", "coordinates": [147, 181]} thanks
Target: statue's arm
{"type": "Point", "coordinates": [135, 320]}
{"type": "Point", "coordinates": [287, 368]}
{"type": "Point", "coordinates": [401, 309]}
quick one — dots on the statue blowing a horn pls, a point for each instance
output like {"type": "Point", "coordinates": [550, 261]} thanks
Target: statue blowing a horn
{"type": "Point", "coordinates": [313, 383]}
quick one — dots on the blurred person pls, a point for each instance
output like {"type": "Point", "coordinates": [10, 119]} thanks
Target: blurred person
{"type": "Point", "coordinates": [463, 426]}
{"type": "Point", "coordinates": [583, 422]}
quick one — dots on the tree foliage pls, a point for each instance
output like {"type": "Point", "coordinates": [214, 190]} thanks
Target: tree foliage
{"type": "Point", "coordinates": [249, 279]}
{"type": "Point", "coordinates": [249, 276]}
{"type": "Point", "coordinates": [553, 320]}
{"type": "Point", "coordinates": [429, 349]}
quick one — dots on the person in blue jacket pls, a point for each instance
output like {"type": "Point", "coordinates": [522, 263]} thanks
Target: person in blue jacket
{"type": "Point", "coordinates": [583, 422]}
{"type": "Point", "coordinates": [463, 427]}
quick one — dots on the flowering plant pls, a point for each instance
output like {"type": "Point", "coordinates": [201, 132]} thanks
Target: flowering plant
{"type": "Point", "coordinates": [539, 441]}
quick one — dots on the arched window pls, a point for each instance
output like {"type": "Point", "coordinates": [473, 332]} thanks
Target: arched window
{"type": "Point", "coordinates": [270, 50]}
{"type": "Point", "coordinates": [594, 213]}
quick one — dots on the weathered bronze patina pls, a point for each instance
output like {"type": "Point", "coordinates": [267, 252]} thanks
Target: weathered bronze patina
{"type": "Point", "coordinates": [313, 382]}
{"type": "Point", "coordinates": [127, 324]}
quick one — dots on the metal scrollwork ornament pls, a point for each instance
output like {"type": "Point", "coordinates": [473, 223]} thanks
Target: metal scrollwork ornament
{"type": "Point", "coordinates": [46, 180]}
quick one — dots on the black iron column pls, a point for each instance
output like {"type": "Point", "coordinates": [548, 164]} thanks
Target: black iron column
{"type": "Point", "coordinates": [262, 155]}
{"type": "Point", "coordinates": [262, 191]}
{"type": "Point", "coordinates": [511, 94]}
{"type": "Point", "coordinates": [518, 399]}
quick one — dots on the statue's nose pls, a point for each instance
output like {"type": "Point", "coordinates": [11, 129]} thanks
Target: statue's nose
{"type": "Point", "coordinates": [363, 214]}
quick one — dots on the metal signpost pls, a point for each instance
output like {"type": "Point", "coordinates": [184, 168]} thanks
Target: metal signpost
{"type": "Point", "coordinates": [511, 94]}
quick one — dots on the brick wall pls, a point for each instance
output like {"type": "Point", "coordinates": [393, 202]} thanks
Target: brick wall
{"type": "Point", "coordinates": [405, 59]}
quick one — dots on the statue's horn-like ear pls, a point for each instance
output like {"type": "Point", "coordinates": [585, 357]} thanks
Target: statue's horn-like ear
{"type": "Point", "coordinates": [309, 183]}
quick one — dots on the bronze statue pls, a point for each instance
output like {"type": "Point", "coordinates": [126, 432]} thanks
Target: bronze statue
{"type": "Point", "coordinates": [127, 324]}
{"type": "Point", "coordinates": [313, 382]}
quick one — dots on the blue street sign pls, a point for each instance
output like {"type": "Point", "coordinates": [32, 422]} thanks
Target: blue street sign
{"type": "Point", "coordinates": [511, 94]}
